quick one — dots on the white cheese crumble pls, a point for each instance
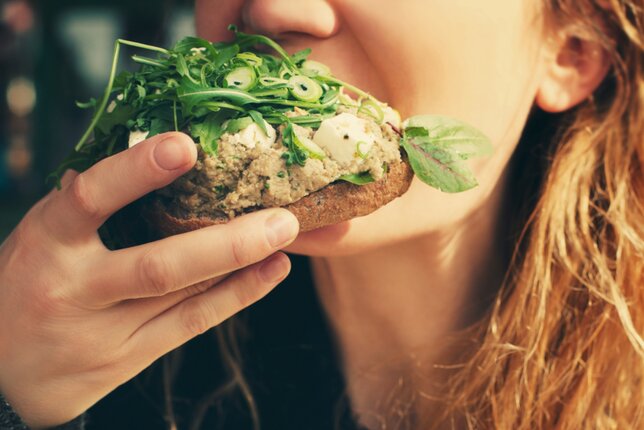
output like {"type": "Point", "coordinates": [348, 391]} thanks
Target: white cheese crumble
{"type": "Point", "coordinates": [392, 116]}
{"type": "Point", "coordinates": [253, 135]}
{"type": "Point", "coordinates": [136, 137]}
{"type": "Point", "coordinates": [112, 105]}
{"type": "Point", "coordinates": [341, 135]}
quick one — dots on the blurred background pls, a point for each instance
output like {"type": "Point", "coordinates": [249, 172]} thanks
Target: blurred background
{"type": "Point", "coordinates": [52, 54]}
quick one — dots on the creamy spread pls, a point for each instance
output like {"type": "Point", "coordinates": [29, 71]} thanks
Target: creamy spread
{"type": "Point", "coordinates": [249, 169]}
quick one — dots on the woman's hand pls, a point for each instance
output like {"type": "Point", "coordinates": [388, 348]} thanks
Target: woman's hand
{"type": "Point", "coordinates": [78, 320]}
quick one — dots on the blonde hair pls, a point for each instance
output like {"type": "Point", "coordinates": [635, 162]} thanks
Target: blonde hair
{"type": "Point", "coordinates": [562, 346]}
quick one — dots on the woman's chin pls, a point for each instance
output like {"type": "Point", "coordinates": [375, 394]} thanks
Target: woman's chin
{"type": "Point", "coordinates": [324, 241]}
{"type": "Point", "coordinates": [346, 238]}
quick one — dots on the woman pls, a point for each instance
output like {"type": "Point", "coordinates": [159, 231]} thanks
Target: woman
{"type": "Point", "coordinates": [433, 324]}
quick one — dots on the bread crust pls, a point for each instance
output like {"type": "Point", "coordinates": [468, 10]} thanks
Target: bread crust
{"type": "Point", "coordinates": [335, 203]}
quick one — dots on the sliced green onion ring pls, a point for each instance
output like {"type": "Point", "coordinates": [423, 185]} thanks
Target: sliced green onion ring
{"type": "Point", "coordinates": [373, 109]}
{"type": "Point", "coordinates": [250, 58]}
{"type": "Point", "coordinates": [315, 68]}
{"type": "Point", "coordinates": [309, 146]}
{"type": "Point", "coordinates": [270, 81]}
{"type": "Point", "coordinates": [305, 89]}
{"type": "Point", "coordinates": [241, 78]}
{"type": "Point", "coordinates": [362, 149]}
{"type": "Point", "coordinates": [285, 72]}
{"type": "Point", "coordinates": [347, 100]}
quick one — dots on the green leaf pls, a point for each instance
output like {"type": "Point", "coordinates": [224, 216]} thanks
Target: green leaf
{"type": "Point", "coordinates": [226, 52]}
{"type": "Point", "coordinates": [185, 45]}
{"type": "Point", "coordinates": [208, 133]}
{"type": "Point", "coordinates": [182, 66]}
{"type": "Point", "coordinates": [140, 90]}
{"type": "Point", "coordinates": [295, 154]}
{"type": "Point", "coordinates": [301, 56]}
{"type": "Point", "coordinates": [191, 95]}
{"type": "Point", "coordinates": [258, 119]}
{"type": "Point", "coordinates": [362, 178]}
{"type": "Point", "coordinates": [436, 147]}
{"type": "Point", "coordinates": [158, 126]}
{"type": "Point", "coordinates": [87, 105]}
{"type": "Point", "coordinates": [119, 116]}
{"type": "Point", "coordinates": [238, 124]}
{"type": "Point", "coordinates": [462, 139]}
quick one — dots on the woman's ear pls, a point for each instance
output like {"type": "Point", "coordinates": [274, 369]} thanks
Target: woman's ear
{"type": "Point", "coordinates": [574, 73]}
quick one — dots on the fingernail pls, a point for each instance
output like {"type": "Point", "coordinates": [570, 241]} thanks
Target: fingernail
{"type": "Point", "coordinates": [274, 269]}
{"type": "Point", "coordinates": [281, 228]}
{"type": "Point", "coordinates": [171, 153]}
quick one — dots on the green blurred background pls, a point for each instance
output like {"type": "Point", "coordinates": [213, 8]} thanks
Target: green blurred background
{"type": "Point", "coordinates": [52, 53]}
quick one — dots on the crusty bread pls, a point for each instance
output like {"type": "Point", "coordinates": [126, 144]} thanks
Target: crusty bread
{"type": "Point", "coordinates": [337, 202]}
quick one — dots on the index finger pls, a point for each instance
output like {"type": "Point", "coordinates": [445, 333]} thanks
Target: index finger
{"type": "Point", "coordinates": [158, 268]}
{"type": "Point", "coordinates": [84, 204]}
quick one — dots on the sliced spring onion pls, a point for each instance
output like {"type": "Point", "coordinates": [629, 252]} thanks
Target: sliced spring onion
{"type": "Point", "coordinates": [362, 149]}
{"type": "Point", "coordinates": [305, 89]}
{"type": "Point", "coordinates": [242, 78]}
{"type": "Point", "coordinates": [271, 92]}
{"type": "Point", "coordinates": [308, 145]}
{"type": "Point", "coordinates": [346, 100]}
{"type": "Point", "coordinates": [373, 109]}
{"type": "Point", "coordinates": [270, 81]}
{"type": "Point", "coordinates": [285, 72]}
{"type": "Point", "coordinates": [315, 68]}
{"type": "Point", "coordinates": [250, 58]}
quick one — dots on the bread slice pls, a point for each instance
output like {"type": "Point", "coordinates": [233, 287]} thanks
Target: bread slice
{"type": "Point", "coordinates": [337, 202]}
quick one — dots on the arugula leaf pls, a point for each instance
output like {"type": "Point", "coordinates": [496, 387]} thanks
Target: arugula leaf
{"type": "Point", "coordinates": [86, 105]}
{"type": "Point", "coordinates": [226, 53]}
{"type": "Point", "coordinates": [182, 66]}
{"type": "Point", "coordinates": [258, 119]}
{"type": "Point", "coordinates": [436, 147]}
{"type": "Point", "coordinates": [186, 44]}
{"type": "Point", "coordinates": [300, 56]}
{"type": "Point", "coordinates": [295, 154]}
{"type": "Point", "coordinates": [158, 126]}
{"type": "Point", "coordinates": [362, 178]}
{"type": "Point", "coordinates": [208, 133]}
{"type": "Point", "coordinates": [119, 116]}
{"type": "Point", "coordinates": [237, 124]}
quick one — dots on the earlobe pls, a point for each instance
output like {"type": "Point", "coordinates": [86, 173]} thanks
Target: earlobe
{"type": "Point", "coordinates": [574, 74]}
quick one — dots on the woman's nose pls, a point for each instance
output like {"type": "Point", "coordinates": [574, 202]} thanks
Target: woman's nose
{"type": "Point", "coordinates": [277, 17]}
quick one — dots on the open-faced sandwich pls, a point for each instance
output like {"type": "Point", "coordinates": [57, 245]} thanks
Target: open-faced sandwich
{"type": "Point", "coordinates": [272, 131]}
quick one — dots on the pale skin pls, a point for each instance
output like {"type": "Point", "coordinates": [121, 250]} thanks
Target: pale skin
{"type": "Point", "coordinates": [391, 283]}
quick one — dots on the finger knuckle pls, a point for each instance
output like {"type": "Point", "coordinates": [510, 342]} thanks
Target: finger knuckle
{"type": "Point", "coordinates": [196, 289]}
{"type": "Point", "coordinates": [247, 292]}
{"type": "Point", "coordinates": [155, 274]}
{"type": "Point", "coordinates": [198, 317]}
{"type": "Point", "coordinates": [82, 198]}
{"type": "Point", "coordinates": [240, 251]}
